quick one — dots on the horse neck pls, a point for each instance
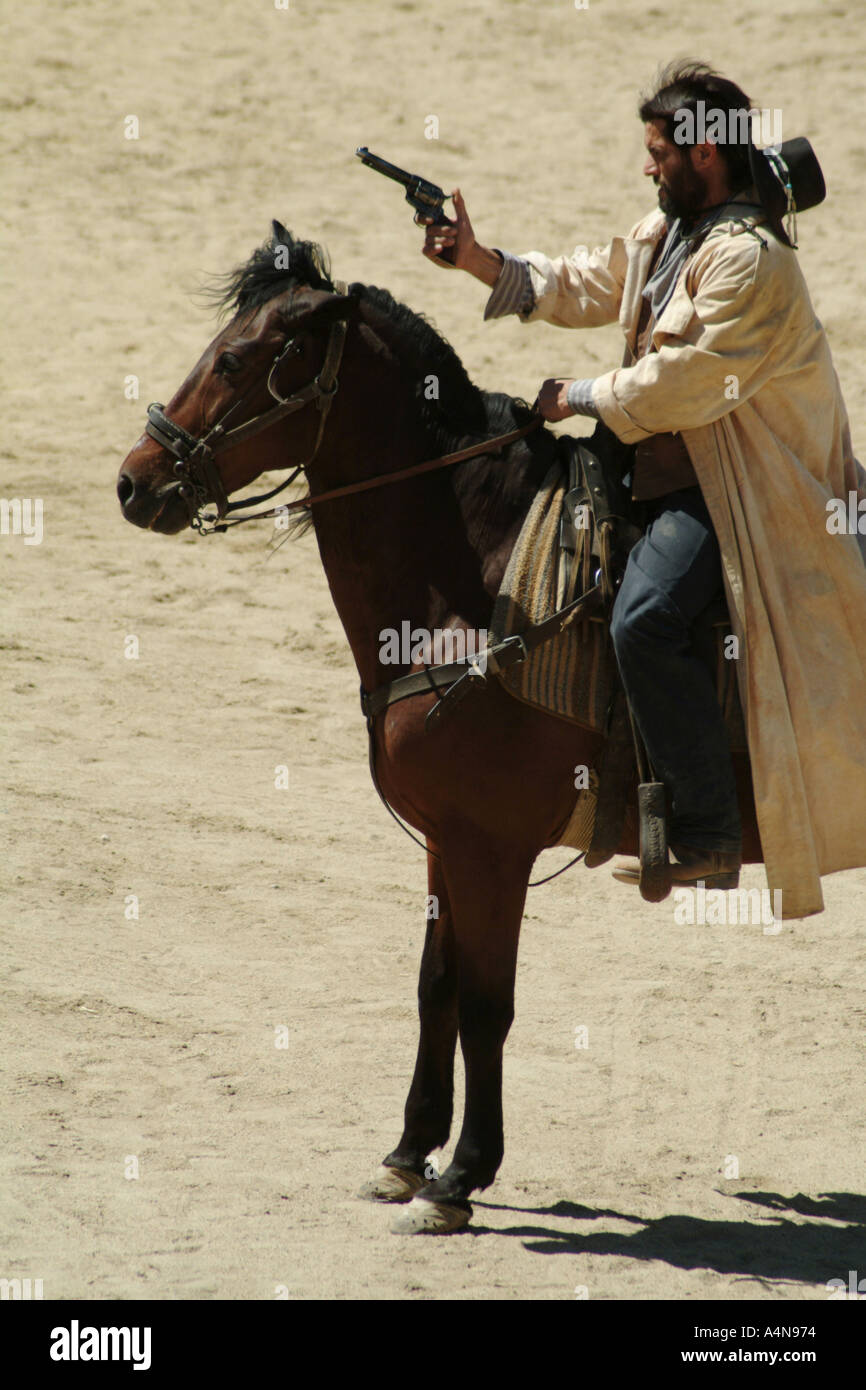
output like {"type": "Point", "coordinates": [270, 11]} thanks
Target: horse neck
{"type": "Point", "coordinates": [431, 551]}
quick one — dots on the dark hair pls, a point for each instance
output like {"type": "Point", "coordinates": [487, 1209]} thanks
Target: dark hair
{"type": "Point", "coordinates": [679, 87]}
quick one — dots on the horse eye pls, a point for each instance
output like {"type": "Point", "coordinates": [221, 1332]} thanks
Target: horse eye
{"type": "Point", "coordinates": [229, 362]}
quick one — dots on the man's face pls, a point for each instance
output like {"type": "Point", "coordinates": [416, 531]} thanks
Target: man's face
{"type": "Point", "coordinates": [682, 190]}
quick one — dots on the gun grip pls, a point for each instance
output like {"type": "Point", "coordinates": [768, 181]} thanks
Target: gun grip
{"type": "Point", "coordinates": [448, 253]}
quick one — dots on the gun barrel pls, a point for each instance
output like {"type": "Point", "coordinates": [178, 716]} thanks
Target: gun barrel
{"type": "Point", "coordinates": [391, 171]}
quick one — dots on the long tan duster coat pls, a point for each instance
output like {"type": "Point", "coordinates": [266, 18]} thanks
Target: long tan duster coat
{"type": "Point", "coordinates": [743, 371]}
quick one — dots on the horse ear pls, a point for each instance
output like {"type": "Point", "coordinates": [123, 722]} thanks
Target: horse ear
{"type": "Point", "coordinates": [336, 306]}
{"type": "Point", "coordinates": [333, 305]}
{"type": "Point", "coordinates": [280, 232]}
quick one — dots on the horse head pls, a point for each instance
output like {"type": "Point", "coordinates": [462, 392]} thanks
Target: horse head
{"type": "Point", "coordinates": [278, 355]}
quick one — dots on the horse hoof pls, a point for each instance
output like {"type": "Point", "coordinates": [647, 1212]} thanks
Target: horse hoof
{"type": "Point", "coordinates": [392, 1185]}
{"type": "Point", "coordinates": [430, 1219]}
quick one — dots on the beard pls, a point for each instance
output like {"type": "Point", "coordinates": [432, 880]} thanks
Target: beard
{"type": "Point", "coordinates": [684, 194]}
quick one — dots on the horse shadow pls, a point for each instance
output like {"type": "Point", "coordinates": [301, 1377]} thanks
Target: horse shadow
{"type": "Point", "coordinates": [802, 1252]}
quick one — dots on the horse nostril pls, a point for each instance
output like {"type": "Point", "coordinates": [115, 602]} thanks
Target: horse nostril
{"type": "Point", "coordinates": [125, 489]}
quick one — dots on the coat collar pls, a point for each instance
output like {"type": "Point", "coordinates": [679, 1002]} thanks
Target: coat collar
{"type": "Point", "coordinates": [745, 214]}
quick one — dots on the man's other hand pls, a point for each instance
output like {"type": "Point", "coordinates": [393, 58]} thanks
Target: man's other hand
{"type": "Point", "coordinates": [553, 398]}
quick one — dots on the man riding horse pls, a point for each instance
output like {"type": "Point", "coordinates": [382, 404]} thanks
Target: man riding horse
{"type": "Point", "coordinates": [728, 390]}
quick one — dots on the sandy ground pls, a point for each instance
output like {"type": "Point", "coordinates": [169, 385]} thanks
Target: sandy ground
{"type": "Point", "coordinates": [708, 1141]}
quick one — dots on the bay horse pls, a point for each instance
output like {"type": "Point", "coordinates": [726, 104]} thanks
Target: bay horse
{"type": "Point", "coordinates": [494, 785]}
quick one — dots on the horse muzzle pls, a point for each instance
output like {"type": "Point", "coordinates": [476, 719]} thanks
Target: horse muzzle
{"type": "Point", "coordinates": [154, 506]}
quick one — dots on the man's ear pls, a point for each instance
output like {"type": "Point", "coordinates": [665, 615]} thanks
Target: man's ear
{"type": "Point", "coordinates": [704, 156]}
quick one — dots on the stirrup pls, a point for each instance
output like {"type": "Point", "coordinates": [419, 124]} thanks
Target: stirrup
{"type": "Point", "coordinates": [655, 874]}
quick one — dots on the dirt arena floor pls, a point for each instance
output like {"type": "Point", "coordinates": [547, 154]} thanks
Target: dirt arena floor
{"type": "Point", "coordinates": [157, 1144]}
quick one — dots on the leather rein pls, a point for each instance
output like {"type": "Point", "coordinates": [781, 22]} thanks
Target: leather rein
{"type": "Point", "coordinates": [198, 479]}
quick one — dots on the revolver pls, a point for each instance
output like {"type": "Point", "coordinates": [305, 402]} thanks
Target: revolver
{"type": "Point", "coordinates": [425, 197]}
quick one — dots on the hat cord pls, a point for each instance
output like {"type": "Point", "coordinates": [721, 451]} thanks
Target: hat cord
{"type": "Point", "coordinates": [780, 169]}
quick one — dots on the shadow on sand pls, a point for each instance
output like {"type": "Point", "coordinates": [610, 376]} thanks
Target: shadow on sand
{"type": "Point", "coordinates": [806, 1252]}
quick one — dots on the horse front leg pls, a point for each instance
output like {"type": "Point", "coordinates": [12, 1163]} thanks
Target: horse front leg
{"type": "Point", "coordinates": [429, 1105]}
{"type": "Point", "coordinates": [487, 890]}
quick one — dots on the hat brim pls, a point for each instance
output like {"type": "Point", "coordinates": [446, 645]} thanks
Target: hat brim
{"type": "Point", "coordinates": [802, 174]}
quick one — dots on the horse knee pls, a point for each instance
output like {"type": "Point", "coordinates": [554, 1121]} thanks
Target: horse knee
{"type": "Point", "coordinates": [485, 1021]}
{"type": "Point", "coordinates": [437, 990]}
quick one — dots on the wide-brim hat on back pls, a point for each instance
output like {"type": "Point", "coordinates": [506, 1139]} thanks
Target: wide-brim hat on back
{"type": "Point", "coordinates": [788, 180]}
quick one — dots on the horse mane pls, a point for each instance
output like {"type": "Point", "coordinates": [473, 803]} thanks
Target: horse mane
{"type": "Point", "coordinates": [279, 264]}
{"type": "Point", "coordinates": [458, 414]}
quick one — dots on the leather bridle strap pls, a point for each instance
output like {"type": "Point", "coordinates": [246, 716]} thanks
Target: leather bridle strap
{"type": "Point", "coordinates": [484, 446]}
{"type": "Point", "coordinates": [193, 456]}
{"type": "Point", "coordinates": [321, 389]}
{"type": "Point", "coordinates": [198, 478]}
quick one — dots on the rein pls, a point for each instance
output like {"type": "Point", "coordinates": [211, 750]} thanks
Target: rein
{"type": "Point", "coordinates": [494, 445]}
{"type": "Point", "coordinates": [198, 479]}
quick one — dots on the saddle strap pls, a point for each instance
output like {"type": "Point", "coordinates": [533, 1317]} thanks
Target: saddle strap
{"type": "Point", "coordinates": [497, 658]}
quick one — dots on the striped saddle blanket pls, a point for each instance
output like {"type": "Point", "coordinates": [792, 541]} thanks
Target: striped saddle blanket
{"type": "Point", "coordinates": [574, 674]}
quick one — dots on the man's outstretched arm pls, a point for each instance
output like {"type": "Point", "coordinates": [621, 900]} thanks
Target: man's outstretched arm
{"type": "Point", "coordinates": [583, 290]}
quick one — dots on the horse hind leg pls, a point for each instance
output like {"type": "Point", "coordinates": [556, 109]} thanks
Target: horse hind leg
{"type": "Point", "coordinates": [487, 889]}
{"type": "Point", "coordinates": [429, 1105]}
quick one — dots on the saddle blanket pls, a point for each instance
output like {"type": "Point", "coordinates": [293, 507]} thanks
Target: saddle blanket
{"type": "Point", "coordinates": [574, 675]}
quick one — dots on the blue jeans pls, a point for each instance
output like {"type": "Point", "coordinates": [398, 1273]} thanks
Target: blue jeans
{"type": "Point", "coordinates": [673, 573]}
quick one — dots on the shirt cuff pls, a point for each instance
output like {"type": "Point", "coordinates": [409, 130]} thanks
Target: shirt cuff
{"type": "Point", "coordinates": [580, 397]}
{"type": "Point", "coordinates": [512, 293]}
{"type": "Point", "coordinates": [614, 415]}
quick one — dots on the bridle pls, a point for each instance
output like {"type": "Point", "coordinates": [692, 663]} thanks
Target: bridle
{"type": "Point", "coordinates": [199, 482]}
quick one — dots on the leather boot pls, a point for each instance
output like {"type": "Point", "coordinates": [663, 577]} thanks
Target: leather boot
{"type": "Point", "coordinates": [714, 868]}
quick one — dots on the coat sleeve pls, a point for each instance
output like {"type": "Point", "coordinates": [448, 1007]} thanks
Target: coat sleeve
{"type": "Point", "coordinates": [583, 290]}
{"type": "Point", "coordinates": [716, 343]}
